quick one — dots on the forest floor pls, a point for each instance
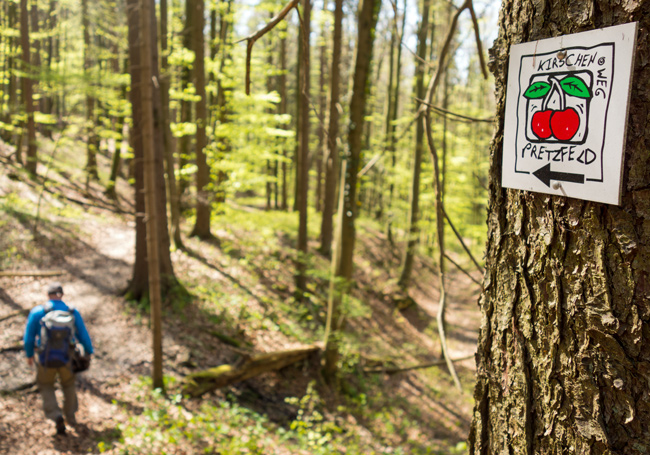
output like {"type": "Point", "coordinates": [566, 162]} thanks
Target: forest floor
{"type": "Point", "coordinates": [239, 287]}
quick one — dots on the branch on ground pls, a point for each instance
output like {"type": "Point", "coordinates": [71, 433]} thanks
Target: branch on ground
{"type": "Point", "coordinates": [394, 370]}
{"type": "Point", "coordinates": [211, 379]}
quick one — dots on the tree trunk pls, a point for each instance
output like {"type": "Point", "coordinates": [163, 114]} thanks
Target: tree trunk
{"type": "Point", "coordinates": [92, 138]}
{"type": "Point", "coordinates": [185, 141]}
{"type": "Point", "coordinates": [151, 207]}
{"type": "Point", "coordinates": [563, 360]}
{"type": "Point", "coordinates": [322, 79]}
{"type": "Point", "coordinates": [332, 154]}
{"type": "Point", "coordinates": [203, 197]}
{"type": "Point", "coordinates": [303, 161]}
{"type": "Point", "coordinates": [31, 160]}
{"type": "Point", "coordinates": [392, 144]}
{"type": "Point", "coordinates": [343, 262]}
{"type": "Point", "coordinates": [165, 82]}
{"type": "Point", "coordinates": [283, 110]}
{"type": "Point", "coordinates": [414, 195]}
{"type": "Point", "coordinates": [138, 287]}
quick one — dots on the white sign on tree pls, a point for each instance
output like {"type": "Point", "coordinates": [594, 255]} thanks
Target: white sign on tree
{"type": "Point", "coordinates": [566, 113]}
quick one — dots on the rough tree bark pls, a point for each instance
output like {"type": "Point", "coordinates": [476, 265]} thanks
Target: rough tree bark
{"type": "Point", "coordinates": [563, 358]}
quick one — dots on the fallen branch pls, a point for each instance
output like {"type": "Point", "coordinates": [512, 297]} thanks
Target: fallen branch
{"type": "Point", "coordinates": [31, 273]}
{"type": "Point", "coordinates": [14, 314]}
{"type": "Point", "coordinates": [16, 348]}
{"type": "Point", "coordinates": [19, 388]}
{"type": "Point", "coordinates": [415, 367]}
{"type": "Point", "coordinates": [257, 35]}
{"type": "Point", "coordinates": [211, 379]}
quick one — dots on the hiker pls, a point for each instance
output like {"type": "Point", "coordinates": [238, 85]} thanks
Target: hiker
{"type": "Point", "coordinates": [52, 329]}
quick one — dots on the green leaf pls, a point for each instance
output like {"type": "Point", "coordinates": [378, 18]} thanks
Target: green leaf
{"type": "Point", "coordinates": [575, 86]}
{"type": "Point", "coordinates": [537, 90]}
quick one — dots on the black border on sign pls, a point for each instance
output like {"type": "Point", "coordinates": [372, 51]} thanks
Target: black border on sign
{"type": "Point", "coordinates": [611, 85]}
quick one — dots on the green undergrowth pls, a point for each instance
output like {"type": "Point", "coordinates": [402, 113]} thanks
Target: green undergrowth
{"type": "Point", "coordinates": [175, 425]}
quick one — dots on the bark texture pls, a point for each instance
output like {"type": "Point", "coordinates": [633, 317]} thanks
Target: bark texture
{"type": "Point", "coordinates": [564, 349]}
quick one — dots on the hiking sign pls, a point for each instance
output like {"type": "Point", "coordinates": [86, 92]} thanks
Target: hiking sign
{"type": "Point", "coordinates": [566, 112]}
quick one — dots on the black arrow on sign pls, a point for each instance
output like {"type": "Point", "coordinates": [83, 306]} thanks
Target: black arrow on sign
{"type": "Point", "coordinates": [546, 175]}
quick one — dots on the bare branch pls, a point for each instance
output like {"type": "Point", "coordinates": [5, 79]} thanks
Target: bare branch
{"type": "Point", "coordinates": [479, 44]}
{"type": "Point", "coordinates": [462, 242]}
{"type": "Point", "coordinates": [462, 269]}
{"type": "Point", "coordinates": [454, 114]}
{"type": "Point", "coordinates": [257, 35]}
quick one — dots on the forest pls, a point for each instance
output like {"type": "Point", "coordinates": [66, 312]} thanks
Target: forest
{"type": "Point", "coordinates": [287, 228]}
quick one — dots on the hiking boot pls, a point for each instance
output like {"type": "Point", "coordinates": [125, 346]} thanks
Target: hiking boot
{"type": "Point", "coordinates": [60, 425]}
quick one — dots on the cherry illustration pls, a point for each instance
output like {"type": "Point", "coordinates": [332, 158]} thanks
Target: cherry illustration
{"type": "Point", "coordinates": [541, 124]}
{"type": "Point", "coordinates": [565, 124]}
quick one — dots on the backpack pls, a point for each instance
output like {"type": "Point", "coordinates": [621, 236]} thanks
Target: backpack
{"type": "Point", "coordinates": [57, 335]}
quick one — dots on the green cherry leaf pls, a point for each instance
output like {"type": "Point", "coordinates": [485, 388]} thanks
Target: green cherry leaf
{"type": "Point", "coordinates": [574, 86]}
{"type": "Point", "coordinates": [537, 90]}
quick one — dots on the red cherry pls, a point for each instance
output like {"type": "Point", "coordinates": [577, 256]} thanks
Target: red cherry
{"type": "Point", "coordinates": [541, 124]}
{"type": "Point", "coordinates": [565, 124]}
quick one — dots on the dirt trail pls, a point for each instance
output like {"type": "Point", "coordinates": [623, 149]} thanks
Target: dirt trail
{"type": "Point", "coordinates": [122, 353]}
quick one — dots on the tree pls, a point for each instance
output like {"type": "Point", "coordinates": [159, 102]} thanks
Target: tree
{"type": "Point", "coordinates": [203, 199]}
{"type": "Point", "coordinates": [414, 195]}
{"type": "Point", "coordinates": [31, 160]}
{"type": "Point", "coordinates": [138, 286]}
{"type": "Point", "coordinates": [343, 260]}
{"type": "Point", "coordinates": [303, 147]}
{"type": "Point", "coordinates": [563, 361]}
{"type": "Point", "coordinates": [151, 207]}
{"type": "Point", "coordinates": [332, 154]}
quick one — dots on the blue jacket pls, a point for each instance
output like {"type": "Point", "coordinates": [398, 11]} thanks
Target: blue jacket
{"type": "Point", "coordinates": [32, 336]}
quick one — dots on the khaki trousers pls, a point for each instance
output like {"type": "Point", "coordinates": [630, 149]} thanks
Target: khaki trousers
{"type": "Point", "coordinates": [45, 379]}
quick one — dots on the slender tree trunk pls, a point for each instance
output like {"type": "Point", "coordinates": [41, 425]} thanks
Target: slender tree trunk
{"type": "Point", "coordinates": [303, 162]}
{"type": "Point", "coordinates": [332, 153]}
{"type": "Point", "coordinates": [165, 82]}
{"type": "Point", "coordinates": [392, 143]}
{"type": "Point", "coordinates": [31, 160]}
{"type": "Point", "coordinates": [203, 196]}
{"type": "Point", "coordinates": [343, 264]}
{"type": "Point", "coordinates": [563, 361]}
{"type": "Point", "coordinates": [414, 196]}
{"type": "Point", "coordinates": [322, 99]}
{"type": "Point", "coordinates": [92, 138]}
{"type": "Point", "coordinates": [283, 110]}
{"type": "Point", "coordinates": [151, 206]}
{"type": "Point", "coordinates": [185, 141]}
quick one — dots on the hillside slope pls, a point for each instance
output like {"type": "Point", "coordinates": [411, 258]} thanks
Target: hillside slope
{"type": "Point", "coordinates": [238, 292]}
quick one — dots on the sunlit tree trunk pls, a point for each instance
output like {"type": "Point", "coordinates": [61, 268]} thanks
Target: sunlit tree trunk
{"type": "Point", "coordinates": [343, 260]}
{"type": "Point", "coordinates": [283, 110]}
{"type": "Point", "coordinates": [563, 362]}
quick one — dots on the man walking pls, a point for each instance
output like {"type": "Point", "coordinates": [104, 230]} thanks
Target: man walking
{"type": "Point", "coordinates": [51, 330]}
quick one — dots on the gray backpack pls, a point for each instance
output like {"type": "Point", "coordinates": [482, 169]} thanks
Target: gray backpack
{"type": "Point", "coordinates": [57, 337]}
